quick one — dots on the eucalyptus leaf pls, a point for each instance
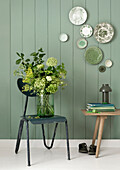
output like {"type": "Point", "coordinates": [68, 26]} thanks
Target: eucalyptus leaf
{"type": "Point", "coordinates": [34, 54]}
{"type": "Point", "coordinates": [27, 60]}
{"type": "Point", "coordinates": [35, 58]}
{"type": "Point", "coordinates": [18, 61]}
{"type": "Point", "coordinates": [49, 68]}
{"type": "Point", "coordinates": [58, 67]}
{"type": "Point", "coordinates": [42, 61]}
{"type": "Point", "coordinates": [41, 55]}
{"type": "Point", "coordinates": [41, 50]}
{"type": "Point", "coordinates": [18, 54]}
{"type": "Point", "coordinates": [22, 54]}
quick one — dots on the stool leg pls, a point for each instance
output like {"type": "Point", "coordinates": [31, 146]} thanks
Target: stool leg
{"type": "Point", "coordinates": [101, 126]}
{"type": "Point", "coordinates": [28, 145]}
{"type": "Point", "coordinates": [19, 136]}
{"type": "Point", "coordinates": [67, 138]}
{"type": "Point", "coordinates": [96, 129]}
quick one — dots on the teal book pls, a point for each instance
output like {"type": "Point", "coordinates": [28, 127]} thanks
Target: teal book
{"type": "Point", "coordinates": [100, 105]}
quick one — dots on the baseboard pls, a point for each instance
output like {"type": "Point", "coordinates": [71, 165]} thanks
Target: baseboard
{"type": "Point", "coordinates": [58, 143]}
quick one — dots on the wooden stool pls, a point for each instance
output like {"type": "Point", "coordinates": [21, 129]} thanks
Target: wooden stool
{"type": "Point", "coordinates": [100, 123]}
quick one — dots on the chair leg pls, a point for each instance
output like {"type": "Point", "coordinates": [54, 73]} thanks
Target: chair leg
{"type": "Point", "coordinates": [49, 147]}
{"type": "Point", "coordinates": [28, 145]}
{"type": "Point", "coordinates": [67, 138]}
{"type": "Point", "coordinates": [19, 136]}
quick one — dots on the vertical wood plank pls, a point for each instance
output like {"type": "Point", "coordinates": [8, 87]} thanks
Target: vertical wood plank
{"type": "Point", "coordinates": [104, 78]}
{"type": "Point", "coordinates": [91, 70]}
{"type": "Point", "coordinates": [115, 78]}
{"type": "Point", "coordinates": [41, 41]}
{"type": "Point", "coordinates": [5, 69]}
{"type": "Point", "coordinates": [67, 97]}
{"type": "Point", "coordinates": [29, 47]}
{"type": "Point", "coordinates": [54, 49]}
{"type": "Point", "coordinates": [79, 81]}
{"type": "Point", "coordinates": [16, 46]}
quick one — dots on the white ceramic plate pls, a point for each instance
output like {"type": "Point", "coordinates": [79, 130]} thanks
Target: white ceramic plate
{"type": "Point", "coordinates": [63, 37]}
{"type": "Point", "coordinates": [108, 63]}
{"type": "Point", "coordinates": [77, 15]}
{"type": "Point", "coordinates": [82, 43]}
{"type": "Point", "coordinates": [86, 31]}
{"type": "Point", "coordinates": [103, 32]}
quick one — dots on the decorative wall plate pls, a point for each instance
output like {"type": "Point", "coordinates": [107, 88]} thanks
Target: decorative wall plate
{"type": "Point", "coordinates": [63, 37]}
{"type": "Point", "coordinates": [103, 32]}
{"type": "Point", "coordinates": [77, 15]}
{"type": "Point", "coordinates": [93, 55]}
{"type": "Point", "coordinates": [82, 43]}
{"type": "Point", "coordinates": [102, 69]}
{"type": "Point", "coordinates": [108, 63]}
{"type": "Point", "coordinates": [86, 31]}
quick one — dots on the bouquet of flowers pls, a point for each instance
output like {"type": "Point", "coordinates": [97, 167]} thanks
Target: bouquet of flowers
{"type": "Point", "coordinates": [39, 77]}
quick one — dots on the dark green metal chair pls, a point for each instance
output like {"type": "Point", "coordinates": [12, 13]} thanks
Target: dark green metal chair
{"type": "Point", "coordinates": [55, 119]}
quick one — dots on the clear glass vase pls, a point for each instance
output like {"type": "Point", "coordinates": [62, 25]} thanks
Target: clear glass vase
{"type": "Point", "coordinates": [45, 106]}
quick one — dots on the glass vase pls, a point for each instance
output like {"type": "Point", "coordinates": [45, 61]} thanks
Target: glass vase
{"type": "Point", "coordinates": [45, 106]}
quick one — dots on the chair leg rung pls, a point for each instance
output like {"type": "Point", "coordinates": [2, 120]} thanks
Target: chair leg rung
{"type": "Point", "coordinates": [53, 138]}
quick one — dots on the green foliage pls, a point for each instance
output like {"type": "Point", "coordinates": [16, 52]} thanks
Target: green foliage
{"type": "Point", "coordinates": [40, 78]}
{"type": "Point", "coordinates": [18, 61]}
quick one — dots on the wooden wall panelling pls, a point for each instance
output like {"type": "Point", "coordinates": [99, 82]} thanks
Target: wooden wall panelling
{"type": "Point", "coordinates": [91, 70]}
{"type": "Point", "coordinates": [54, 50]}
{"type": "Point", "coordinates": [29, 47]}
{"type": "Point", "coordinates": [41, 20]}
{"type": "Point", "coordinates": [104, 78]}
{"type": "Point", "coordinates": [115, 78]}
{"type": "Point", "coordinates": [16, 46]}
{"type": "Point", "coordinates": [67, 56]}
{"type": "Point", "coordinates": [5, 69]}
{"type": "Point", "coordinates": [79, 81]}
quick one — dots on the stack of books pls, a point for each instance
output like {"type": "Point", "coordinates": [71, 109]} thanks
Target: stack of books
{"type": "Point", "coordinates": [99, 107]}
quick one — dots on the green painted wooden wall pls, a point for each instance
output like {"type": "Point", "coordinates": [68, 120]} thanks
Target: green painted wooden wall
{"type": "Point", "coordinates": [25, 26]}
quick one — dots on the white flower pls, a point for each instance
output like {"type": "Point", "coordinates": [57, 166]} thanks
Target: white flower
{"type": "Point", "coordinates": [49, 78]}
{"type": "Point", "coordinates": [40, 66]}
{"type": "Point", "coordinates": [42, 91]}
{"type": "Point", "coordinates": [51, 61]}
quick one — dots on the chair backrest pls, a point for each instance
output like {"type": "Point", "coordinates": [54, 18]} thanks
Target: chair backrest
{"type": "Point", "coordinates": [20, 86]}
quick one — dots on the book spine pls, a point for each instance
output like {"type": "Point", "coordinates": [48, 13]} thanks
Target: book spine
{"type": "Point", "coordinates": [101, 110]}
{"type": "Point", "coordinates": [94, 107]}
{"type": "Point", "coordinates": [101, 105]}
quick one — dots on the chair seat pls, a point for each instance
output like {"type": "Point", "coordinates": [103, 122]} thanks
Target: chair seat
{"type": "Point", "coordinates": [54, 119]}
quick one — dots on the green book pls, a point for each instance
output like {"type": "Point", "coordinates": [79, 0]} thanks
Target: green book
{"type": "Point", "coordinates": [101, 110]}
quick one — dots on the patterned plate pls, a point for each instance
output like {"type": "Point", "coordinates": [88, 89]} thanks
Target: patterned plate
{"type": "Point", "coordinates": [86, 31]}
{"type": "Point", "coordinates": [82, 43]}
{"type": "Point", "coordinates": [103, 32]}
{"type": "Point", "coordinates": [77, 15]}
{"type": "Point", "coordinates": [93, 55]}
